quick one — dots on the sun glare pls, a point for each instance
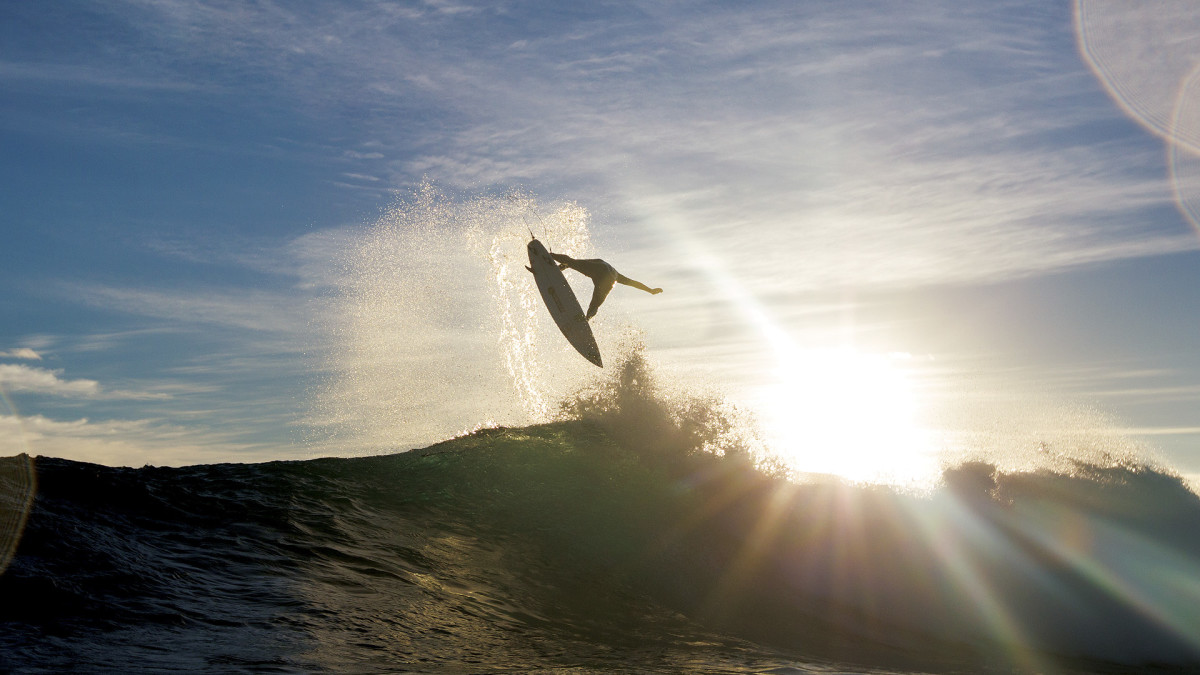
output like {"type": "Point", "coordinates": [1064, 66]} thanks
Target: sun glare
{"type": "Point", "coordinates": [849, 414]}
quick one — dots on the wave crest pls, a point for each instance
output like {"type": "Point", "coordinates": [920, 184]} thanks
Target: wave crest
{"type": "Point", "coordinates": [632, 405]}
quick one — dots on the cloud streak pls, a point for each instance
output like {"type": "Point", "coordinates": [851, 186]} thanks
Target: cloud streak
{"type": "Point", "coordinates": [21, 353]}
{"type": "Point", "coordinates": [249, 309]}
{"type": "Point", "coordinates": [123, 442]}
{"type": "Point", "coordinates": [889, 145]}
{"type": "Point", "coordinates": [87, 76]}
{"type": "Point", "coordinates": [18, 378]}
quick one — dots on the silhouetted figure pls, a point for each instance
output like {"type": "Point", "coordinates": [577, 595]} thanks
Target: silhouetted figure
{"type": "Point", "coordinates": [603, 275]}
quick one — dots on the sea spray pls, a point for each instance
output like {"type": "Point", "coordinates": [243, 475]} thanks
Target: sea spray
{"type": "Point", "coordinates": [1024, 431]}
{"type": "Point", "coordinates": [639, 412]}
{"type": "Point", "coordinates": [500, 228]}
{"type": "Point", "coordinates": [434, 325]}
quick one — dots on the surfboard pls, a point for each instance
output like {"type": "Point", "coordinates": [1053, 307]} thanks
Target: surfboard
{"type": "Point", "coordinates": [560, 300]}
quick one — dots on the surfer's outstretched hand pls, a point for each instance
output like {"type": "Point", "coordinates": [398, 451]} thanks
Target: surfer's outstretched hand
{"type": "Point", "coordinates": [655, 291]}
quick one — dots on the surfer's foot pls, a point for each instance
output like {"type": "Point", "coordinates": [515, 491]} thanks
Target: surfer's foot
{"type": "Point", "coordinates": [582, 318]}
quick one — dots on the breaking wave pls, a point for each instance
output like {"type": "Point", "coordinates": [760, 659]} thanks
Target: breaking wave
{"type": "Point", "coordinates": [614, 540]}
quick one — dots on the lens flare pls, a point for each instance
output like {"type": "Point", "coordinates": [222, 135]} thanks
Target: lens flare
{"type": "Point", "coordinates": [1184, 157]}
{"type": "Point", "coordinates": [18, 485]}
{"type": "Point", "coordinates": [1144, 54]}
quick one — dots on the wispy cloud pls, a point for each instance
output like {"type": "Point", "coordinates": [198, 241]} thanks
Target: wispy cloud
{"type": "Point", "coordinates": [900, 147]}
{"type": "Point", "coordinates": [255, 310]}
{"type": "Point", "coordinates": [41, 381]}
{"type": "Point", "coordinates": [361, 177]}
{"type": "Point", "coordinates": [887, 147]}
{"type": "Point", "coordinates": [21, 353]}
{"type": "Point", "coordinates": [303, 262]}
{"type": "Point", "coordinates": [25, 379]}
{"type": "Point", "coordinates": [86, 75]}
{"type": "Point", "coordinates": [123, 442]}
{"type": "Point", "coordinates": [106, 341]}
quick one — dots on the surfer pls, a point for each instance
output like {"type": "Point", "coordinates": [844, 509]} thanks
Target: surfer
{"type": "Point", "coordinates": [603, 275]}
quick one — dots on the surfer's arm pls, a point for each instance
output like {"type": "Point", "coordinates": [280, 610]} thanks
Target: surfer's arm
{"type": "Point", "coordinates": [622, 279]}
{"type": "Point", "coordinates": [564, 261]}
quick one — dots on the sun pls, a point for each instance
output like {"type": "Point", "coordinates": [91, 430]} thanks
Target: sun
{"type": "Point", "coordinates": [850, 414]}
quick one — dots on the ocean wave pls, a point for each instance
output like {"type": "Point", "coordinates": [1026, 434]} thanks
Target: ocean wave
{"type": "Point", "coordinates": [562, 545]}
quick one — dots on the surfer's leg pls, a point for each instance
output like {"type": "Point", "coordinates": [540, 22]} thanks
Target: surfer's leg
{"type": "Point", "coordinates": [603, 286]}
{"type": "Point", "coordinates": [622, 279]}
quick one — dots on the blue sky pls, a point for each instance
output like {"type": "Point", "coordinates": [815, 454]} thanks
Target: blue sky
{"type": "Point", "coordinates": [992, 193]}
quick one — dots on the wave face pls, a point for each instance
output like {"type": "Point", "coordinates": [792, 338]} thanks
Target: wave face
{"type": "Point", "coordinates": [556, 547]}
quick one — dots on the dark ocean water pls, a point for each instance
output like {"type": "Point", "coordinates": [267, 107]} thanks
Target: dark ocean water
{"type": "Point", "coordinates": [555, 549]}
